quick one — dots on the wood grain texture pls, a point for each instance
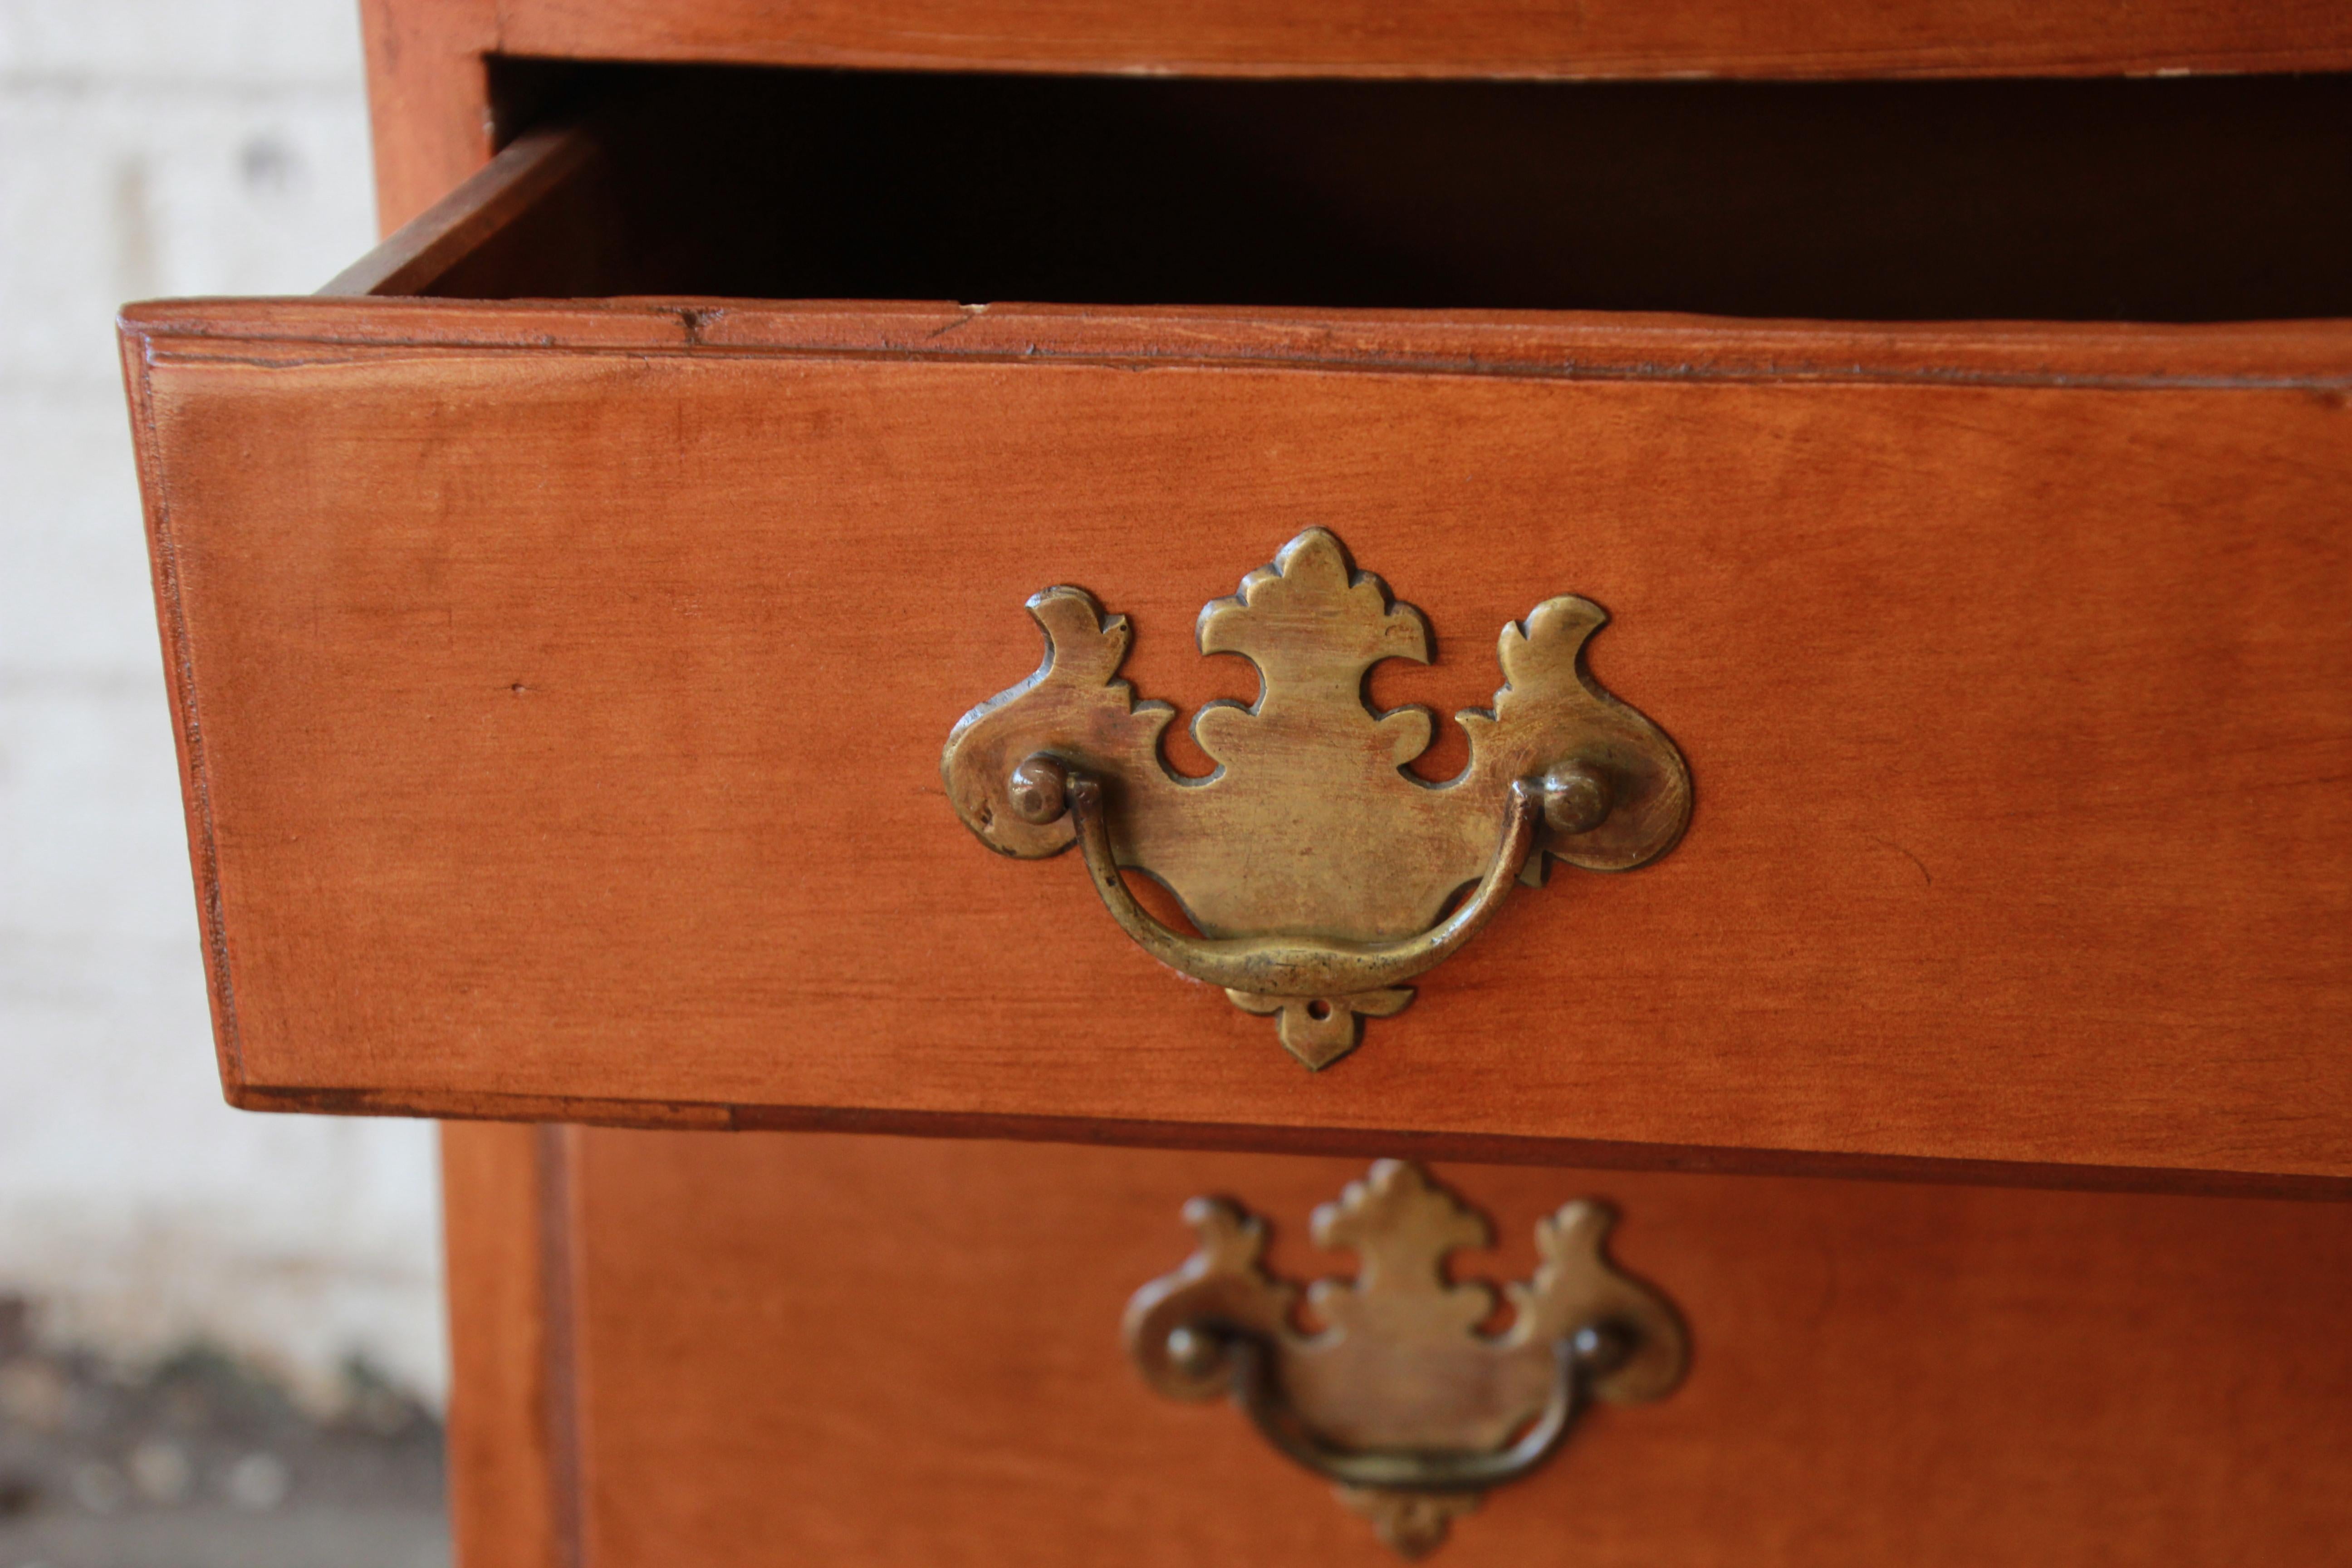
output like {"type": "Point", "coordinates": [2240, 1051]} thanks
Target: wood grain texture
{"type": "Point", "coordinates": [1437, 37]}
{"type": "Point", "coordinates": [872, 1352]}
{"type": "Point", "coordinates": [563, 689]}
{"type": "Point", "coordinates": [428, 99]}
{"type": "Point", "coordinates": [484, 212]}
{"type": "Point", "coordinates": [509, 1492]}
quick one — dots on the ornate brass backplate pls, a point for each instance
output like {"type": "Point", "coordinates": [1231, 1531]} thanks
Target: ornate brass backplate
{"type": "Point", "coordinates": [1401, 1399]}
{"type": "Point", "coordinates": [1319, 873]}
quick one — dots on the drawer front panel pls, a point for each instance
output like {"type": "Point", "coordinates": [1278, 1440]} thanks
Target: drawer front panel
{"type": "Point", "coordinates": [858, 1350]}
{"type": "Point", "coordinates": [563, 722]}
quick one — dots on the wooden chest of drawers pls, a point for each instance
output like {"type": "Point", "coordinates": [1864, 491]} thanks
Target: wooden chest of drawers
{"type": "Point", "coordinates": [567, 609]}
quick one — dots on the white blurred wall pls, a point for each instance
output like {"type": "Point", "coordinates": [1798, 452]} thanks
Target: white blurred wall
{"type": "Point", "coordinates": [156, 147]}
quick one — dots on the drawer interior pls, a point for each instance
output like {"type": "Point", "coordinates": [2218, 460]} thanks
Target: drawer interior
{"type": "Point", "coordinates": [2193, 199]}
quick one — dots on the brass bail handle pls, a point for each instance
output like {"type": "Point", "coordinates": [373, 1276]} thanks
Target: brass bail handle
{"type": "Point", "coordinates": [1400, 1394]}
{"type": "Point", "coordinates": [1044, 787]}
{"type": "Point", "coordinates": [1590, 1352]}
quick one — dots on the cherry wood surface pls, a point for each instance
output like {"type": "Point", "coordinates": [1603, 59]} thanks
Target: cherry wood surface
{"type": "Point", "coordinates": [502, 211]}
{"type": "Point", "coordinates": [1883, 1374]}
{"type": "Point", "coordinates": [1445, 37]}
{"type": "Point", "coordinates": [513, 1483]}
{"type": "Point", "coordinates": [430, 120]}
{"type": "Point", "coordinates": [561, 691]}
{"type": "Point", "coordinates": [863, 1349]}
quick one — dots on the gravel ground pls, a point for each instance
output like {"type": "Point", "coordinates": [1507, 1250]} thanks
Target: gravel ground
{"type": "Point", "coordinates": [211, 1537]}
{"type": "Point", "coordinates": [201, 1461]}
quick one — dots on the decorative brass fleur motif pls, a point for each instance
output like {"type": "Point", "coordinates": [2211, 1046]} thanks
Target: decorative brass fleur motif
{"type": "Point", "coordinates": [1319, 872]}
{"type": "Point", "coordinates": [1401, 1399]}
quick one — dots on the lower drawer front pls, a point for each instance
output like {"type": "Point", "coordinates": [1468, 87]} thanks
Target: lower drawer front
{"type": "Point", "coordinates": [844, 1350]}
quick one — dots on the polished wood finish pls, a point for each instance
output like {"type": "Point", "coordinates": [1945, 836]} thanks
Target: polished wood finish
{"type": "Point", "coordinates": [429, 98]}
{"type": "Point", "coordinates": [1442, 38]}
{"type": "Point", "coordinates": [1997, 940]}
{"type": "Point", "coordinates": [561, 691]}
{"type": "Point", "coordinates": [868, 1350]}
{"type": "Point", "coordinates": [496, 220]}
{"type": "Point", "coordinates": [513, 1478]}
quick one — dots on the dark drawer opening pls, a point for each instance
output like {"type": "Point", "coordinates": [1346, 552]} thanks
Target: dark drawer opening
{"type": "Point", "coordinates": [2156, 200]}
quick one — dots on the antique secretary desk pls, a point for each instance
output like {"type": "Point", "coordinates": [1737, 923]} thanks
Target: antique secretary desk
{"type": "Point", "coordinates": [890, 1074]}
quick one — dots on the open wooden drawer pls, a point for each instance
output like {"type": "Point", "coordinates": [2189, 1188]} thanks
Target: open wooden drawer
{"type": "Point", "coordinates": [563, 656]}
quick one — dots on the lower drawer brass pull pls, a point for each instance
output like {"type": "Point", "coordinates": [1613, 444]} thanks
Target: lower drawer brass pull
{"type": "Point", "coordinates": [1401, 1399]}
{"type": "Point", "coordinates": [1253, 1390]}
{"type": "Point", "coordinates": [1320, 873]}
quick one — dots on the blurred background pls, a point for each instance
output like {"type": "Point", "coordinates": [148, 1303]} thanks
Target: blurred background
{"type": "Point", "coordinates": [220, 1335]}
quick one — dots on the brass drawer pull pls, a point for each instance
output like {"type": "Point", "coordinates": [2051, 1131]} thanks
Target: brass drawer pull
{"type": "Point", "coordinates": [1255, 1391]}
{"type": "Point", "coordinates": [1321, 874]}
{"type": "Point", "coordinates": [1402, 1400]}
{"type": "Point", "coordinates": [1287, 974]}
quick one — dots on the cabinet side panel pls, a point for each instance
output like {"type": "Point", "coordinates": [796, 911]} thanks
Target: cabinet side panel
{"type": "Point", "coordinates": [429, 98]}
{"type": "Point", "coordinates": [506, 1478]}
